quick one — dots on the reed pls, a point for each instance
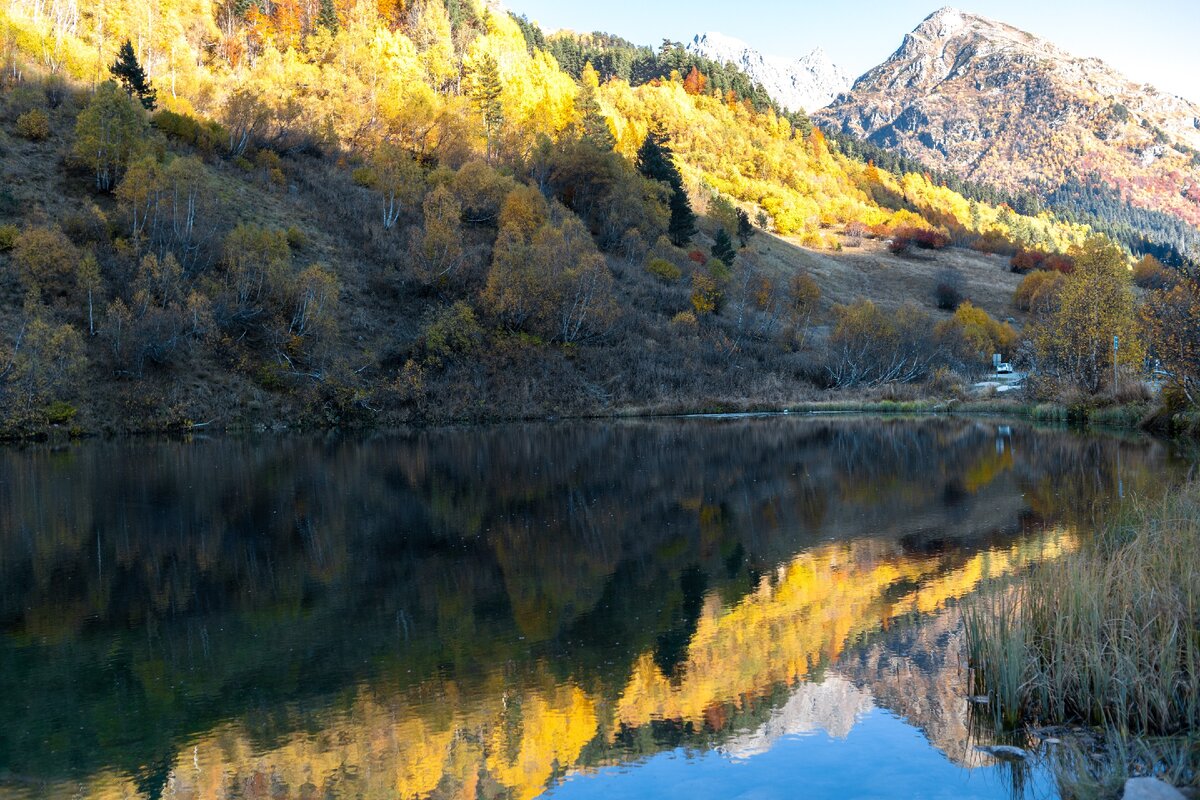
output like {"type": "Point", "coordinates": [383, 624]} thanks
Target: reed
{"type": "Point", "coordinates": [1108, 636]}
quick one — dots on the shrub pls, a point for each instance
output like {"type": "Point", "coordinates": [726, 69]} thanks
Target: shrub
{"type": "Point", "coordinates": [664, 270]}
{"type": "Point", "coordinates": [34, 125]}
{"type": "Point", "coordinates": [685, 322]}
{"type": "Point", "coordinates": [451, 332]}
{"type": "Point", "coordinates": [698, 257]}
{"type": "Point", "coordinates": [8, 237]}
{"type": "Point", "coordinates": [948, 294]}
{"type": "Point", "coordinates": [204, 136]}
{"type": "Point", "coordinates": [1149, 273]}
{"type": "Point", "coordinates": [1024, 261]}
{"type": "Point", "coordinates": [1038, 290]}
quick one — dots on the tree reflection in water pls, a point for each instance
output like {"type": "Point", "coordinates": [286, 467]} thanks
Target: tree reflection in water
{"type": "Point", "coordinates": [464, 613]}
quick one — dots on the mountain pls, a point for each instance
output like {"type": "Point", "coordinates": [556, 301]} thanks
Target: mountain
{"type": "Point", "coordinates": [809, 82]}
{"type": "Point", "coordinates": [994, 104]}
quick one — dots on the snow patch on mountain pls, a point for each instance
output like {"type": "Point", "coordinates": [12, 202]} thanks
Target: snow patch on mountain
{"type": "Point", "coordinates": [809, 82]}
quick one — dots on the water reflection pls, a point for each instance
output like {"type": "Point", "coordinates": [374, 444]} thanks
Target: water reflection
{"type": "Point", "coordinates": [481, 613]}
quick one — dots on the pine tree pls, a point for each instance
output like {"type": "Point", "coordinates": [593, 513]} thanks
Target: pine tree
{"type": "Point", "coordinates": [722, 248]}
{"type": "Point", "coordinates": [133, 78]}
{"type": "Point", "coordinates": [595, 125]}
{"type": "Point", "coordinates": [656, 162]}
{"type": "Point", "coordinates": [328, 17]}
{"type": "Point", "coordinates": [745, 230]}
{"type": "Point", "coordinates": [485, 90]}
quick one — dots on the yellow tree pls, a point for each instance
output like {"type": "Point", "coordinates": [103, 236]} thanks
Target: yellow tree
{"type": "Point", "coordinates": [1095, 307]}
{"type": "Point", "coordinates": [107, 134]}
{"type": "Point", "coordinates": [1172, 317]}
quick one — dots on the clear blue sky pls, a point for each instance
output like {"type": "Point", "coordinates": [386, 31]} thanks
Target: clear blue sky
{"type": "Point", "coordinates": [1152, 41]}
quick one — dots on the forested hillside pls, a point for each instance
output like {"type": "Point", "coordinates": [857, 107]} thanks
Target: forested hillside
{"type": "Point", "coordinates": [336, 212]}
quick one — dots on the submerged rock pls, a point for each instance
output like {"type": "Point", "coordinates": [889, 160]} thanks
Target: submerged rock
{"type": "Point", "coordinates": [1150, 789]}
{"type": "Point", "coordinates": [1005, 752]}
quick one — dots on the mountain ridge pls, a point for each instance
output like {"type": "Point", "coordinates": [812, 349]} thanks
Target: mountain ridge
{"type": "Point", "coordinates": [809, 82]}
{"type": "Point", "coordinates": [996, 104]}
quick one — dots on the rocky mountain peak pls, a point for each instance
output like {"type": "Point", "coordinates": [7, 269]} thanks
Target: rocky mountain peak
{"type": "Point", "coordinates": [809, 82]}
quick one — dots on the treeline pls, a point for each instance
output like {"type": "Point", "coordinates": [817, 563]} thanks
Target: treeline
{"type": "Point", "coordinates": [614, 57]}
{"type": "Point", "coordinates": [1092, 202]}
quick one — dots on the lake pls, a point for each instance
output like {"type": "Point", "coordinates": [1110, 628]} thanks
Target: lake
{"type": "Point", "coordinates": [756, 607]}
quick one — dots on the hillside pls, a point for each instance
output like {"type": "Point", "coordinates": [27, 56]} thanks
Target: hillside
{"type": "Point", "coordinates": [378, 217]}
{"type": "Point", "coordinates": [806, 83]}
{"type": "Point", "coordinates": [997, 105]}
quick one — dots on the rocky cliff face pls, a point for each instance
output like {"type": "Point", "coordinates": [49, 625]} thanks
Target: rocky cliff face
{"type": "Point", "coordinates": [809, 82]}
{"type": "Point", "coordinates": [995, 104]}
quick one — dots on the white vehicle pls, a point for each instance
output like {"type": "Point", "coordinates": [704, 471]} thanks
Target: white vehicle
{"type": "Point", "coordinates": [1004, 368]}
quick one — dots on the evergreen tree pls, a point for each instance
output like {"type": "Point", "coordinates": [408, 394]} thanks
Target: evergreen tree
{"type": "Point", "coordinates": [656, 162]}
{"type": "Point", "coordinates": [723, 249]}
{"type": "Point", "coordinates": [745, 230]}
{"type": "Point", "coordinates": [328, 17]}
{"type": "Point", "coordinates": [132, 77]}
{"type": "Point", "coordinates": [485, 90]}
{"type": "Point", "coordinates": [595, 125]}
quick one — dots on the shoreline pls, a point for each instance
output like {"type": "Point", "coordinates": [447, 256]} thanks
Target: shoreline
{"type": "Point", "coordinates": [1131, 417]}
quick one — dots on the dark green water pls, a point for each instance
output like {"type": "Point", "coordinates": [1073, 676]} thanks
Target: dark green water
{"type": "Point", "coordinates": [757, 607]}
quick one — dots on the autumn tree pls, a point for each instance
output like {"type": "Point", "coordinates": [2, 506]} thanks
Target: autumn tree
{"type": "Point", "coordinates": [1073, 345]}
{"type": "Point", "coordinates": [46, 261]}
{"type": "Point", "coordinates": [439, 247]}
{"type": "Point", "coordinates": [397, 176]}
{"type": "Point", "coordinates": [656, 161]}
{"type": "Point", "coordinates": [551, 281]}
{"type": "Point", "coordinates": [1172, 318]}
{"type": "Point", "coordinates": [804, 297]}
{"type": "Point", "coordinates": [108, 133]}
{"type": "Point", "coordinates": [45, 364]}
{"type": "Point", "coordinates": [132, 77]}
{"type": "Point", "coordinates": [695, 83]}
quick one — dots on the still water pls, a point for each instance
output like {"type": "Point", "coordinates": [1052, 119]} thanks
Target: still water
{"type": "Point", "coordinates": [702, 608]}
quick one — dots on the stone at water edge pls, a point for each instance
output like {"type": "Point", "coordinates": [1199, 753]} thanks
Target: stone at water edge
{"type": "Point", "coordinates": [1150, 789]}
{"type": "Point", "coordinates": [1005, 752]}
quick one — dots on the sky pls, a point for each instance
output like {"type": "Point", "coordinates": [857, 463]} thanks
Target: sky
{"type": "Point", "coordinates": [1151, 41]}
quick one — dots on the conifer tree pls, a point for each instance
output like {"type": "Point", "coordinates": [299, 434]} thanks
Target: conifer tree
{"type": "Point", "coordinates": [132, 77]}
{"type": "Point", "coordinates": [656, 162]}
{"type": "Point", "coordinates": [722, 248]}
{"type": "Point", "coordinates": [595, 125]}
{"type": "Point", "coordinates": [485, 90]}
{"type": "Point", "coordinates": [328, 17]}
{"type": "Point", "coordinates": [745, 231]}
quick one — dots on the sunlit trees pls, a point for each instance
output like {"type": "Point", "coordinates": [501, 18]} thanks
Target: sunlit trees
{"type": "Point", "coordinates": [1073, 344]}
{"type": "Point", "coordinates": [107, 134]}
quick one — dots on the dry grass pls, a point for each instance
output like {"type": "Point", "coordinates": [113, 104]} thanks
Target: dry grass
{"type": "Point", "coordinates": [890, 281]}
{"type": "Point", "coordinates": [1109, 636]}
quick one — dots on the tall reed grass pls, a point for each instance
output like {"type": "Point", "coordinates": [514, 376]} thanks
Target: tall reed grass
{"type": "Point", "coordinates": [1109, 636]}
